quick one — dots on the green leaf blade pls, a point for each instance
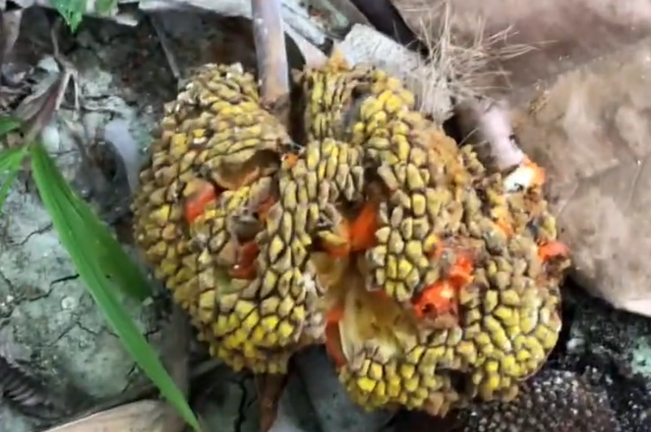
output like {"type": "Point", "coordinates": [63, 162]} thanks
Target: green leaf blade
{"type": "Point", "coordinates": [68, 220]}
{"type": "Point", "coordinates": [8, 124]}
{"type": "Point", "coordinates": [10, 162]}
{"type": "Point", "coordinates": [115, 261]}
{"type": "Point", "coordinates": [105, 7]}
{"type": "Point", "coordinates": [5, 187]}
{"type": "Point", "coordinates": [11, 158]}
{"type": "Point", "coordinates": [72, 11]}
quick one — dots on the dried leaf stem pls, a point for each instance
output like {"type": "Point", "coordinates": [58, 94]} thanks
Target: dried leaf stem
{"type": "Point", "coordinates": [271, 53]}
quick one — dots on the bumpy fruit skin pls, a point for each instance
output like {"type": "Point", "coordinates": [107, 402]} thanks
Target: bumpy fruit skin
{"type": "Point", "coordinates": [430, 282]}
{"type": "Point", "coordinates": [211, 171]}
{"type": "Point", "coordinates": [450, 244]}
{"type": "Point", "coordinates": [551, 401]}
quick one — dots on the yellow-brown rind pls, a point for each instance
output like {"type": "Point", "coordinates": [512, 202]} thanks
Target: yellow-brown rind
{"type": "Point", "coordinates": [364, 141]}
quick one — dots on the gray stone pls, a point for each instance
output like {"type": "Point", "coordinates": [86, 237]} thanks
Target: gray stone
{"type": "Point", "coordinates": [334, 409]}
{"type": "Point", "coordinates": [231, 404]}
{"type": "Point", "coordinates": [47, 312]}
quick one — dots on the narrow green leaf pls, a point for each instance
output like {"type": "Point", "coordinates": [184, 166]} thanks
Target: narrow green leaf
{"type": "Point", "coordinates": [11, 158]}
{"type": "Point", "coordinates": [5, 187]}
{"type": "Point", "coordinates": [10, 162]}
{"type": "Point", "coordinates": [8, 124]}
{"type": "Point", "coordinates": [56, 194]}
{"type": "Point", "coordinates": [72, 11]}
{"type": "Point", "coordinates": [104, 7]}
{"type": "Point", "coordinates": [115, 262]}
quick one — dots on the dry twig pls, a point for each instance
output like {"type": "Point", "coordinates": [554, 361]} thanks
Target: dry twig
{"type": "Point", "coordinates": [273, 72]}
{"type": "Point", "coordinates": [271, 53]}
{"type": "Point", "coordinates": [9, 31]}
{"type": "Point", "coordinates": [175, 352]}
{"type": "Point", "coordinates": [166, 46]}
{"type": "Point", "coordinates": [468, 69]}
{"type": "Point", "coordinates": [38, 109]}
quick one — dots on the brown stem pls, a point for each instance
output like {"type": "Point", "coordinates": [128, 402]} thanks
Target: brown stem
{"type": "Point", "coordinates": [271, 53]}
{"type": "Point", "coordinates": [9, 31]}
{"type": "Point", "coordinates": [270, 388]}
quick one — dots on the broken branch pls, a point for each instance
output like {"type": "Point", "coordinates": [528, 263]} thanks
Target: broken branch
{"type": "Point", "coordinates": [271, 53]}
{"type": "Point", "coordinates": [9, 31]}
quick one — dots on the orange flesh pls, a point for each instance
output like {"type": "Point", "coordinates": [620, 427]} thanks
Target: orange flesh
{"type": "Point", "coordinates": [245, 267]}
{"type": "Point", "coordinates": [435, 300]}
{"type": "Point", "coordinates": [333, 338]}
{"type": "Point", "coordinates": [263, 208]}
{"type": "Point", "coordinates": [197, 203]}
{"type": "Point", "coordinates": [538, 179]}
{"type": "Point", "coordinates": [538, 172]}
{"type": "Point", "coordinates": [337, 251]}
{"type": "Point", "coordinates": [552, 250]}
{"type": "Point", "coordinates": [290, 159]}
{"type": "Point", "coordinates": [440, 297]}
{"type": "Point", "coordinates": [360, 232]}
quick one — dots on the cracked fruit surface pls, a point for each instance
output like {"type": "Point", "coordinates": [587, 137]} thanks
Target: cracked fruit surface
{"type": "Point", "coordinates": [431, 281]}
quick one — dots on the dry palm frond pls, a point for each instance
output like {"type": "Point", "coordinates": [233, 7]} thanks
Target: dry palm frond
{"type": "Point", "coordinates": [464, 68]}
{"type": "Point", "coordinates": [142, 416]}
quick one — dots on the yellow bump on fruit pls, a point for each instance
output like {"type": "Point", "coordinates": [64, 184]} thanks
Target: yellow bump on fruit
{"type": "Point", "coordinates": [366, 384]}
{"type": "Point", "coordinates": [298, 314]}
{"type": "Point", "coordinates": [527, 323]}
{"type": "Point", "coordinates": [376, 372]}
{"type": "Point", "coordinates": [233, 321]}
{"type": "Point", "coordinates": [271, 339]}
{"type": "Point", "coordinates": [285, 330]}
{"type": "Point", "coordinates": [482, 339]}
{"type": "Point", "coordinates": [258, 335]}
{"type": "Point", "coordinates": [393, 388]}
{"type": "Point", "coordinates": [491, 366]}
{"type": "Point", "coordinates": [220, 327]}
{"type": "Point", "coordinates": [252, 320]}
{"type": "Point", "coordinates": [243, 308]}
{"type": "Point", "coordinates": [410, 384]}
{"type": "Point", "coordinates": [407, 371]}
{"type": "Point", "coordinates": [477, 377]}
{"type": "Point", "coordinates": [415, 354]}
{"type": "Point", "coordinates": [467, 350]}
{"type": "Point", "coordinates": [509, 297]}
{"type": "Point", "coordinates": [522, 355]}
{"type": "Point", "coordinates": [270, 323]}
{"type": "Point", "coordinates": [393, 104]}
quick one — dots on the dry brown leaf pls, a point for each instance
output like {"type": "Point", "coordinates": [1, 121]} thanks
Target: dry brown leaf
{"type": "Point", "coordinates": [590, 130]}
{"type": "Point", "coordinates": [469, 62]}
{"type": "Point", "coordinates": [592, 134]}
{"type": "Point", "coordinates": [37, 110]}
{"type": "Point", "coordinates": [566, 33]}
{"type": "Point", "coordinates": [142, 416]}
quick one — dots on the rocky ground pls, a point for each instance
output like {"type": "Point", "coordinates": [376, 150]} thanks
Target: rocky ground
{"type": "Point", "coordinates": [50, 327]}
